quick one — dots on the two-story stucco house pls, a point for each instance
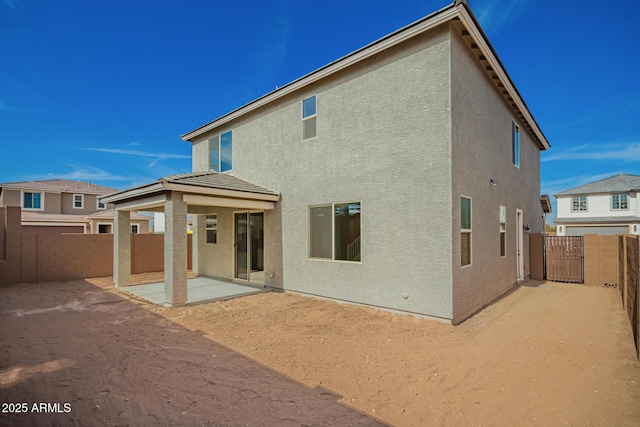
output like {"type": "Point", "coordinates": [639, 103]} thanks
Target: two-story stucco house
{"type": "Point", "coordinates": [608, 206]}
{"type": "Point", "coordinates": [64, 206]}
{"type": "Point", "coordinates": [405, 175]}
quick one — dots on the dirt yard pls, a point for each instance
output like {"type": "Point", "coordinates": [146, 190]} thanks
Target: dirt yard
{"type": "Point", "coordinates": [553, 355]}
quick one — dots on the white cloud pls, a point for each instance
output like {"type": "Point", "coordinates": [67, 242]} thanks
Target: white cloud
{"type": "Point", "coordinates": [493, 15]}
{"type": "Point", "coordinates": [156, 157]}
{"type": "Point", "coordinates": [623, 152]}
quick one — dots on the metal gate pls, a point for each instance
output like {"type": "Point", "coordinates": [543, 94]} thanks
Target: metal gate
{"type": "Point", "coordinates": [564, 258]}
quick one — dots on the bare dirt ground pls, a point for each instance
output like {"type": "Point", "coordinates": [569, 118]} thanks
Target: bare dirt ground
{"type": "Point", "coordinates": [553, 355]}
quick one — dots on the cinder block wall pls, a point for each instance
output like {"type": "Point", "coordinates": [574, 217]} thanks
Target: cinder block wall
{"type": "Point", "coordinates": [33, 257]}
{"type": "Point", "coordinates": [600, 260]}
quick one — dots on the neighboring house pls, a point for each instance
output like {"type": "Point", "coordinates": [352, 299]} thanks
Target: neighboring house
{"type": "Point", "coordinates": [608, 206]}
{"type": "Point", "coordinates": [64, 206]}
{"type": "Point", "coordinates": [405, 175]}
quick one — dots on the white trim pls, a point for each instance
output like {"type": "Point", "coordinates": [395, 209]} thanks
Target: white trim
{"type": "Point", "coordinates": [73, 201]}
{"type": "Point", "coordinates": [104, 208]}
{"type": "Point", "coordinates": [41, 208]}
{"type": "Point", "coordinates": [612, 209]}
{"type": "Point", "coordinates": [137, 224]}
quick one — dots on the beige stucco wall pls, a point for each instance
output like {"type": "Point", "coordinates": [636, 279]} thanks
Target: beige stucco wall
{"type": "Point", "coordinates": [14, 198]}
{"type": "Point", "coordinates": [481, 150]}
{"type": "Point", "coordinates": [383, 140]}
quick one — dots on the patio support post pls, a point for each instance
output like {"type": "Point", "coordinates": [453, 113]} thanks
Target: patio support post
{"type": "Point", "coordinates": [198, 239]}
{"type": "Point", "coordinates": [175, 250]}
{"type": "Point", "coordinates": [122, 249]}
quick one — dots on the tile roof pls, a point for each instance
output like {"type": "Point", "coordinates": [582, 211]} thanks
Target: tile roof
{"type": "Point", "coordinates": [211, 179]}
{"type": "Point", "coordinates": [615, 184]}
{"type": "Point", "coordinates": [59, 185]}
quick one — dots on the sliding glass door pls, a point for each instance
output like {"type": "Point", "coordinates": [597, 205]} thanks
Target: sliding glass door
{"type": "Point", "coordinates": [249, 246]}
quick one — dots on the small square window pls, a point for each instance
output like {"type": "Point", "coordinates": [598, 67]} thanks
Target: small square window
{"type": "Point", "coordinates": [619, 202]}
{"type": "Point", "coordinates": [211, 227]}
{"type": "Point", "coordinates": [100, 205]}
{"type": "Point", "coordinates": [32, 200]}
{"type": "Point", "coordinates": [334, 232]}
{"type": "Point", "coordinates": [135, 229]}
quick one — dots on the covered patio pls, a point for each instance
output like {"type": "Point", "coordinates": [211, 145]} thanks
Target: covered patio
{"type": "Point", "coordinates": [199, 193]}
{"type": "Point", "coordinates": [200, 290]}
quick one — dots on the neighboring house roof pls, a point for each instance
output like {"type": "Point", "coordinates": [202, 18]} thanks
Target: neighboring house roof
{"type": "Point", "coordinates": [598, 220]}
{"type": "Point", "coordinates": [208, 183]}
{"type": "Point", "coordinates": [59, 186]}
{"type": "Point", "coordinates": [622, 183]}
{"type": "Point", "coordinates": [471, 32]}
{"type": "Point", "coordinates": [546, 203]}
{"type": "Point", "coordinates": [28, 216]}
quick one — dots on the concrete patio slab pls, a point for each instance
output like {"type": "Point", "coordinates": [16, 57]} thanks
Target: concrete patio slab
{"type": "Point", "coordinates": [199, 290]}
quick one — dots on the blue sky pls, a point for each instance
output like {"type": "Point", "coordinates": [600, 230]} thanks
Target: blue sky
{"type": "Point", "coordinates": [101, 91]}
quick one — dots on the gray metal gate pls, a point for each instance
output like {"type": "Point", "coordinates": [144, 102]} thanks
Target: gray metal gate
{"type": "Point", "coordinates": [564, 258]}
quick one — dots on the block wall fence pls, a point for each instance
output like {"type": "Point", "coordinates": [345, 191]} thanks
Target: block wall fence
{"type": "Point", "coordinates": [33, 257]}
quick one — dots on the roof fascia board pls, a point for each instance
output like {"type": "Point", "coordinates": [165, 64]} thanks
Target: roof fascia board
{"type": "Point", "coordinates": [487, 51]}
{"type": "Point", "coordinates": [193, 199]}
{"type": "Point", "coordinates": [142, 204]}
{"type": "Point", "coordinates": [32, 189]}
{"type": "Point", "coordinates": [134, 192]}
{"type": "Point", "coordinates": [338, 65]}
{"type": "Point", "coordinates": [190, 189]}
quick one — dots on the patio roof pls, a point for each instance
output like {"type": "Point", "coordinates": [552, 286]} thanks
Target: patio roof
{"type": "Point", "coordinates": [200, 188]}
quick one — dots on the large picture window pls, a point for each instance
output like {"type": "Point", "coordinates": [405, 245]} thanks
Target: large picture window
{"type": "Point", "coordinates": [465, 231]}
{"type": "Point", "coordinates": [334, 231]}
{"type": "Point", "coordinates": [309, 116]}
{"type": "Point", "coordinates": [220, 152]}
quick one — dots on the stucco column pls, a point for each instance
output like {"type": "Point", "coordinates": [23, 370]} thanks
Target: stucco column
{"type": "Point", "coordinates": [175, 250]}
{"type": "Point", "coordinates": [198, 238]}
{"type": "Point", "coordinates": [121, 249]}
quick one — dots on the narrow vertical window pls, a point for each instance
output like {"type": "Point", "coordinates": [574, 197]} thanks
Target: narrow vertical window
{"type": "Point", "coordinates": [515, 144]}
{"type": "Point", "coordinates": [211, 227]}
{"type": "Point", "coordinates": [309, 116]}
{"type": "Point", "coordinates": [503, 231]}
{"type": "Point", "coordinates": [220, 152]}
{"type": "Point", "coordinates": [465, 231]}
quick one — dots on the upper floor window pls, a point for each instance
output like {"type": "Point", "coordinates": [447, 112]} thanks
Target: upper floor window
{"type": "Point", "coordinates": [100, 205]}
{"type": "Point", "coordinates": [220, 148]}
{"type": "Point", "coordinates": [78, 201]}
{"type": "Point", "coordinates": [32, 200]}
{"type": "Point", "coordinates": [309, 115]}
{"type": "Point", "coordinates": [579, 204]}
{"type": "Point", "coordinates": [619, 202]}
{"type": "Point", "coordinates": [334, 231]}
{"type": "Point", "coordinates": [515, 144]}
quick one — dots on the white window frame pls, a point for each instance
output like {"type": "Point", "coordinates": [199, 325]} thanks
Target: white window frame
{"type": "Point", "coordinates": [210, 228]}
{"type": "Point", "coordinates": [626, 201]}
{"type": "Point", "coordinates": [73, 201]}
{"type": "Point", "coordinates": [104, 205]}
{"type": "Point", "coordinates": [41, 208]}
{"type": "Point", "coordinates": [515, 144]}
{"type": "Point", "coordinates": [468, 231]}
{"type": "Point", "coordinates": [333, 232]}
{"type": "Point", "coordinates": [309, 117]}
{"type": "Point", "coordinates": [503, 229]}
{"type": "Point", "coordinates": [137, 226]}
{"type": "Point", "coordinates": [586, 204]}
